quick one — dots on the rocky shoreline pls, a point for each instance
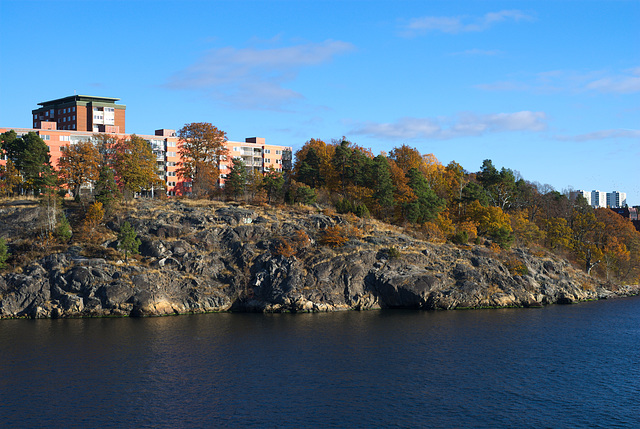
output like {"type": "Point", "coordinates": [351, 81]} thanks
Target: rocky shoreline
{"type": "Point", "coordinates": [216, 257]}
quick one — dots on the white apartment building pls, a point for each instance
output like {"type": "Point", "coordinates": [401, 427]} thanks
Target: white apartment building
{"type": "Point", "coordinates": [598, 199]}
{"type": "Point", "coordinates": [616, 199]}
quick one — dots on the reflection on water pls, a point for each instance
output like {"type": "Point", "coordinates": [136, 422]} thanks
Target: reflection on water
{"type": "Point", "coordinates": [569, 366]}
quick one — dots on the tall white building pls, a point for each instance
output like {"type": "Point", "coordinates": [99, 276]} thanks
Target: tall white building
{"type": "Point", "coordinates": [598, 199]}
{"type": "Point", "coordinates": [616, 199]}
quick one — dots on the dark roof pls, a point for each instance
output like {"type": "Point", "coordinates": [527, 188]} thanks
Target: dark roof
{"type": "Point", "coordinates": [80, 98]}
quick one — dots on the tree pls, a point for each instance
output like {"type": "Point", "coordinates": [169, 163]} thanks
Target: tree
{"type": "Point", "coordinates": [135, 165]}
{"type": "Point", "coordinates": [492, 222]}
{"type": "Point", "coordinates": [93, 218]}
{"type": "Point", "coordinates": [426, 205]}
{"type": "Point", "coordinates": [29, 154]}
{"type": "Point", "coordinates": [273, 184]}
{"type": "Point", "coordinates": [202, 145]}
{"type": "Point", "coordinates": [382, 186]}
{"type": "Point", "coordinates": [236, 182]}
{"type": "Point", "coordinates": [79, 164]}
{"type": "Point", "coordinates": [4, 254]}
{"type": "Point", "coordinates": [10, 179]}
{"type": "Point", "coordinates": [406, 158]}
{"type": "Point", "coordinates": [107, 191]}
{"type": "Point", "coordinates": [128, 241]}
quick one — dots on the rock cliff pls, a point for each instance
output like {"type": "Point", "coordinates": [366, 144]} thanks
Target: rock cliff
{"type": "Point", "coordinates": [216, 257]}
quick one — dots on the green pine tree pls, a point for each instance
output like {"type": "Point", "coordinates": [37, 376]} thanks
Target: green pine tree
{"type": "Point", "coordinates": [128, 241]}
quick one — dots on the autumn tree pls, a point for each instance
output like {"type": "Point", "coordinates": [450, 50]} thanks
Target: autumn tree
{"type": "Point", "coordinates": [202, 145]}
{"type": "Point", "coordinates": [406, 158]}
{"type": "Point", "coordinates": [93, 218]}
{"type": "Point", "coordinates": [135, 165]}
{"type": "Point", "coordinates": [79, 164]}
{"type": "Point", "coordinates": [492, 222]}
{"type": "Point", "coordinates": [10, 179]}
{"type": "Point", "coordinates": [313, 165]}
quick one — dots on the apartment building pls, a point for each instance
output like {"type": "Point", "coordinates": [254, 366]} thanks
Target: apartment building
{"type": "Point", "coordinates": [255, 152]}
{"type": "Point", "coordinates": [599, 199]}
{"type": "Point", "coordinates": [616, 199]}
{"type": "Point", "coordinates": [81, 113]}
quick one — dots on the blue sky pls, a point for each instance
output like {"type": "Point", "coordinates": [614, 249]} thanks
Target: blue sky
{"type": "Point", "coordinates": [548, 88]}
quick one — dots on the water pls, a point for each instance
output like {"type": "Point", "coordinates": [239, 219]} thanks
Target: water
{"type": "Point", "coordinates": [561, 366]}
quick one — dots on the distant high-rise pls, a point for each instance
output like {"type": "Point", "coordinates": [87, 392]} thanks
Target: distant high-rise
{"type": "Point", "coordinates": [81, 113]}
{"type": "Point", "coordinates": [616, 199]}
{"type": "Point", "coordinates": [598, 199]}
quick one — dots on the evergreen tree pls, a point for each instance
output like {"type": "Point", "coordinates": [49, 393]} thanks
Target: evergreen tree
{"type": "Point", "coordinates": [236, 181]}
{"type": "Point", "coordinates": [382, 186]}
{"type": "Point", "coordinates": [30, 155]}
{"type": "Point", "coordinates": [128, 241]}
{"type": "Point", "coordinates": [107, 191]}
{"type": "Point", "coordinates": [4, 254]}
{"type": "Point", "coordinates": [426, 206]}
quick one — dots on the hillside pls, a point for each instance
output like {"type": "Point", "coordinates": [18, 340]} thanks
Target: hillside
{"type": "Point", "coordinates": [203, 256]}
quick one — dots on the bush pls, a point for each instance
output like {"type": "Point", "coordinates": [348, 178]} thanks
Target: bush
{"type": "Point", "coordinates": [333, 236]}
{"type": "Point", "coordinates": [460, 237]}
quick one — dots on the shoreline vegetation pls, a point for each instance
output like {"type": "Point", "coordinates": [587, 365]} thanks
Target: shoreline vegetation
{"type": "Point", "coordinates": [336, 229]}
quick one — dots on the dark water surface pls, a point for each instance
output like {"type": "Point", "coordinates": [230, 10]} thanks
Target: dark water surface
{"type": "Point", "coordinates": [560, 366]}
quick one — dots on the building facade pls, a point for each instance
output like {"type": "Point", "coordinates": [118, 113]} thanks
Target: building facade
{"type": "Point", "coordinates": [584, 194]}
{"type": "Point", "coordinates": [598, 199]}
{"type": "Point", "coordinates": [616, 199]}
{"type": "Point", "coordinates": [69, 120]}
{"type": "Point", "coordinates": [81, 113]}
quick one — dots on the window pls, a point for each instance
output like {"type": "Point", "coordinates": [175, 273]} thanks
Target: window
{"type": "Point", "coordinates": [108, 109]}
{"type": "Point", "coordinates": [73, 109]}
{"type": "Point", "coordinates": [171, 143]}
{"type": "Point", "coordinates": [223, 176]}
{"type": "Point", "coordinates": [65, 138]}
{"type": "Point", "coordinates": [73, 126]}
{"type": "Point", "coordinates": [171, 173]}
{"type": "Point", "coordinates": [171, 154]}
{"type": "Point", "coordinates": [45, 136]}
{"type": "Point", "coordinates": [171, 183]}
{"type": "Point", "coordinates": [46, 113]}
{"type": "Point", "coordinates": [35, 116]}
{"type": "Point", "coordinates": [278, 152]}
{"type": "Point", "coordinates": [74, 117]}
{"type": "Point", "coordinates": [267, 151]}
{"type": "Point", "coordinates": [267, 160]}
{"type": "Point", "coordinates": [278, 161]}
{"type": "Point", "coordinates": [236, 149]}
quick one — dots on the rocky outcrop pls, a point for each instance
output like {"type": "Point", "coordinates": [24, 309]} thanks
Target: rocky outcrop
{"type": "Point", "coordinates": [224, 258]}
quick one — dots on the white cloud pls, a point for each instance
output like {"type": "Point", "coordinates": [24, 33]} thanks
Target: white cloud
{"type": "Point", "coordinates": [621, 83]}
{"type": "Point", "coordinates": [254, 78]}
{"type": "Point", "coordinates": [464, 125]}
{"type": "Point", "coordinates": [460, 24]}
{"type": "Point", "coordinates": [602, 135]}
{"type": "Point", "coordinates": [624, 82]}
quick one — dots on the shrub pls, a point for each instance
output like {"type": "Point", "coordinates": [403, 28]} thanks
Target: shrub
{"type": "Point", "coordinates": [333, 236]}
{"type": "Point", "coordinates": [460, 237]}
